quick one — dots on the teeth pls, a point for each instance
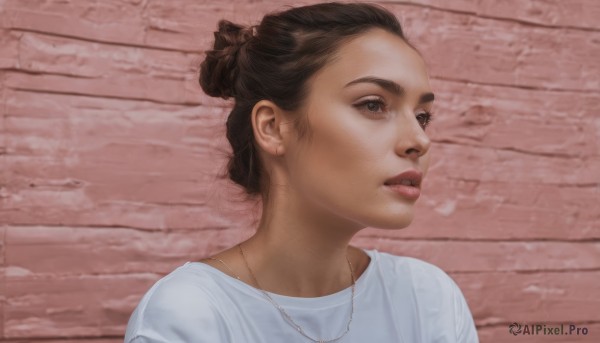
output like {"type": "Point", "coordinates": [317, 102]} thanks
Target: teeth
{"type": "Point", "coordinates": [406, 182]}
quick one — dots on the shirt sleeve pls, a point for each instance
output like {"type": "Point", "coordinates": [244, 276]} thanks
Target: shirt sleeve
{"type": "Point", "coordinates": [177, 311]}
{"type": "Point", "coordinates": [465, 325]}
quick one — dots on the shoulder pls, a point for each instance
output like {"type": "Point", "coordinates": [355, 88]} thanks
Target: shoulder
{"type": "Point", "coordinates": [439, 299]}
{"type": "Point", "coordinates": [177, 307]}
{"type": "Point", "coordinates": [430, 283]}
{"type": "Point", "coordinates": [425, 275]}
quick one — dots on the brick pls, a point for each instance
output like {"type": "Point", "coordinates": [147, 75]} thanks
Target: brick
{"type": "Point", "coordinates": [36, 251]}
{"type": "Point", "coordinates": [117, 22]}
{"type": "Point", "coordinates": [531, 121]}
{"type": "Point", "coordinates": [580, 14]}
{"type": "Point", "coordinates": [3, 299]}
{"type": "Point", "coordinates": [57, 189]}
{"type": "Point", "coordinates": [131, 87]}
{"type": "Point", "coordinates": [3, 228]}
{"type": "Point", "coordinates": [475, 257]}
{"type": "Point", "coordinates": [42, 53]}
{"type": "Point", "coordinates": [486, 51]}
{"type": "Point", "coordinates": [112, 21]}
{"type": "Point", "coordinates": [64, 65]}
{"type": "Point", "coordinates": [9, 41]}
{"type": "Point", "coordinates": [530, 50]}
{"type": "Point", "coordinates": [513, 167]}
{"type": "Point", "coordinates": [501, 298]}
{"type": "Point", "coordinates": [472, 209]}
{"type": "Point", "coordinates": [72, 306]}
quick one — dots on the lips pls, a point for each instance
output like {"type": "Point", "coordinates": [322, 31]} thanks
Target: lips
{"type": "Point", "coordinates": [406, 184]}
{"type": "Point", "coordinates": [410, 177]}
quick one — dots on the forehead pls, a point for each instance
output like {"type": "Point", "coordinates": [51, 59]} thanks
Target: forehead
{"type": "Point", "coordinates": [376, 53]}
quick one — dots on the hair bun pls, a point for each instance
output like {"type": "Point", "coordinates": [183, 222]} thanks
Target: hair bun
{"type": "Point", "coordinates": [219, 69]}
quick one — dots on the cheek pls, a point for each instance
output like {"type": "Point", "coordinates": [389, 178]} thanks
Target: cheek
{"type": "Point", "coordinates": [424, 164]}
{"type": "Point", "coordinates": [340, 167]}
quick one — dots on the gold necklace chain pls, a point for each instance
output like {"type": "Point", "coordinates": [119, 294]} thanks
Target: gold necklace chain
{"type": "Point", "coordinates": [283, 312]}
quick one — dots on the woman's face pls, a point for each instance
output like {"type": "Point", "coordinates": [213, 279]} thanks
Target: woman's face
{"type": "Point", "coordinates": [357, 145]}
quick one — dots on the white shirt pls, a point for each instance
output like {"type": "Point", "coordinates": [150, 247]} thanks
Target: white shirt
{"type": "Point", "coordinates": [397, 299]}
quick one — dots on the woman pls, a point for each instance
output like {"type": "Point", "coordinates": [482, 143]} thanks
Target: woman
{"type": "Point", "coordinates": [328, 128]}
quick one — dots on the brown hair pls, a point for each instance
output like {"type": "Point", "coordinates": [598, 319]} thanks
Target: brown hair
{"type": "Point", "coordinates": [273, 61]}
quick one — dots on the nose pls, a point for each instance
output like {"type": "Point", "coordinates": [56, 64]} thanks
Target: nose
{"type": "Point", "coordinates": [412, 141]}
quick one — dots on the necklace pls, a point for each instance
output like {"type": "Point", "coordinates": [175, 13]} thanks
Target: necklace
{"type": "Point", "coordinates": [283, 312]}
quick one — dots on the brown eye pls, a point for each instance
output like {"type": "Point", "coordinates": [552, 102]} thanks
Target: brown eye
{"type": "Point", "coordinates": [371, 105]}
{"type": "Point", "coordinates": [425, 119]}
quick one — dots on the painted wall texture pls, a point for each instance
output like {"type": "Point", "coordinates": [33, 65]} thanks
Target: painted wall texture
{"type": "Point", "coordinates": [110, 155]}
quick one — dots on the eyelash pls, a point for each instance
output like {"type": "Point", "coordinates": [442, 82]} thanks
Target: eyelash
{"type": "Point", "coordinates": [428, 114]}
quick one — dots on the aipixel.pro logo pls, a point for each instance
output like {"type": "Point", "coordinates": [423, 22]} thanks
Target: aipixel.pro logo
{"type": "Point", "coordinates": [546, 330]}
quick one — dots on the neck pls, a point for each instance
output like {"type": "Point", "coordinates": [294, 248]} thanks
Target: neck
{"type": "Point", "coordinates": [301, 253]}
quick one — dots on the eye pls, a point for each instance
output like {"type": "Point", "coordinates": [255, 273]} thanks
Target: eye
{"type": "Point", "coordinates": [425, 118]}
{"type": "Point", "coordinates": [371, 105]}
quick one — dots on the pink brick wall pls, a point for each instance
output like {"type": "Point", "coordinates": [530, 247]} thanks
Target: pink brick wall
{"type": "Point", "coordinates": [109, 153]}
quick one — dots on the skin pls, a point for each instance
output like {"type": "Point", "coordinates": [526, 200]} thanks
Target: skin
{"type": "Point", "coordinates": [325, 191]}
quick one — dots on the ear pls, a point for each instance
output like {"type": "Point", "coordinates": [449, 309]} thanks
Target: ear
{"type": "Point", "coordinates": [269, 127]}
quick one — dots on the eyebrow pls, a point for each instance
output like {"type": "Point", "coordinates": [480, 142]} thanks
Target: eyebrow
{"type": "Point", "coordinates": [391, 87]}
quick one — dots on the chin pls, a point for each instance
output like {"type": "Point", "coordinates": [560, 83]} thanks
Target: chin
{"type": "Point", "coordinates": [392, 221]}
